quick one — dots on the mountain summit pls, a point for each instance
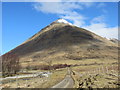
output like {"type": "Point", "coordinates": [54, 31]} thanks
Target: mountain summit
{"type": "Point", "coordinates": [63, 41]}
{"type": "Point", "coordinates": [62, 21]}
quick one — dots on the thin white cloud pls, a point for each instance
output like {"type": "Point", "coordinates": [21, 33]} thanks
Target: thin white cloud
{"type": "Point", "coordinates": [104, 11]}
{"type": "Point", "coordinates": [56, 7]}
{"type": "Point", "coordinates": [60, 0]}
{"type": "Point", "coordinates": [98, 19]}
{"type": "Point", "coordinates": [73, 0]}
{"type": "Point", "coordinates": [87, 4]}
{"type": "Point", "coordinates": [99, 27]}
{"type": "Point", "coordinates": [76, 18]}
{"type": "Point", "coordinates": [103, 30]}
{"type": "Point", "coordinates": [101, 5]}
{"type": "Point", "coordinates": [63, 10]}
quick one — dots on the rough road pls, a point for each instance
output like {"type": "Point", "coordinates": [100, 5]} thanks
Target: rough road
{"type": "Point", "coordinates": [67, 82]}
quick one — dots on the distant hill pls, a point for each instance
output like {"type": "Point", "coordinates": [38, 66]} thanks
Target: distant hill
{"type": "Point", "coordinates": [115, 40]}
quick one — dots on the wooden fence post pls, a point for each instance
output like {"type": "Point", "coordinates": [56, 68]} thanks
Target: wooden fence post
{"type": "Point", "coordinates": [103, 69]}
{"type": "Point", "coordinates": [107, 69]}
{"type": "Point", "coordinates": [88, 73]}
{"type": "Point", "coordinates": [94, 72]}
{"type": "Point", "coordinates": [99, 70]}
{"type": "Point", "coordinates": [26, 83]}
{"type": "Point", "coordinates": [17, 81]}
{"type": "Point", "coordinates": [113, 69]}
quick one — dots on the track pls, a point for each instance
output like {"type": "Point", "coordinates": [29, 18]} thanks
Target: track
{"type": "Point", "coordinates": [67, 82]}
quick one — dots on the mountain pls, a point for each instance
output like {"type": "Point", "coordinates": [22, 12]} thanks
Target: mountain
{"type": "Point", "coordinates": [115, 40]}
{"type": "Point", "coordinates": [63, 41]}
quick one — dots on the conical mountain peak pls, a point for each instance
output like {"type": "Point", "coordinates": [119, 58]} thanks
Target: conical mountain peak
{"type": "Point", "coordinates": [62, 21]}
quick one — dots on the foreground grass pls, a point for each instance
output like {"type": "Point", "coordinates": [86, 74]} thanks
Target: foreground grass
{"type": "Point", "coordinates": [56, 77]}
{"type": "Point", "coordinates": [97, 81]}
{"type": "Point", "coordinates": [96, 75]}
{"type": "Point", "coordinates": [88, 73]}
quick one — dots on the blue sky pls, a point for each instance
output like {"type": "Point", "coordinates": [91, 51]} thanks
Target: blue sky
{"type": "Point", "coordinates": [21, 20]}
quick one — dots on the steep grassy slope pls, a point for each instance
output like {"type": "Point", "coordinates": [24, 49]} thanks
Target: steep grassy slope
{"type": "Point", "coordinates": [60, 41]}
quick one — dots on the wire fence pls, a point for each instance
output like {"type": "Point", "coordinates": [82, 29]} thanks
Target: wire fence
{"type": "Point", "coordinates": [112, 70]}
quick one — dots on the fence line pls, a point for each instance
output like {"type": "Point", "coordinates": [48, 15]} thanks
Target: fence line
{"type": "Point", "coordinates": [101, 70]}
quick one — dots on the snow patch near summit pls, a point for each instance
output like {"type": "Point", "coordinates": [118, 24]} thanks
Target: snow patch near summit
{"type": "Point", "coordinates": [63, 21]}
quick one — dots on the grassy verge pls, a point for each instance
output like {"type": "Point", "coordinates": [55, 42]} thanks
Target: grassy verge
{"type": "Point", "coordinates": [56, 77]}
